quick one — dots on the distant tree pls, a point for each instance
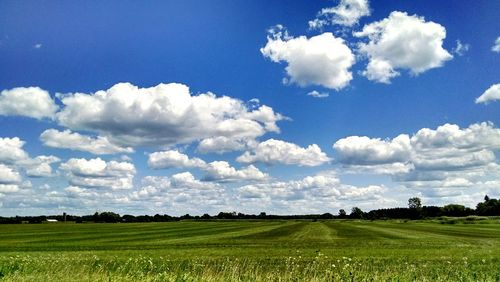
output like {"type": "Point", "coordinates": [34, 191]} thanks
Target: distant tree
{"type": "Point", "coordinates": [488, 207]}
{"type": "Point", "coordinates": [456, 210]}
{"type": "Point", "coordinates": [96, 217]}
{"type": "Point", "coordinates": [109, 217]}
{"type": "Point", "coordinates": [414, 203]}
{"type": "Point", "coordinates": [356, 213]}
{"type": "Point", "coordinates": [326, 216]}
{"type": "Point", "coordinates": [342, 213]}
{"type": "Point", "coordinates": [263, 215]}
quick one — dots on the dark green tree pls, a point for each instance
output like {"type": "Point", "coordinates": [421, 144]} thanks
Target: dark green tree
{"type": "Point", "coordinates": [414, 203]}
{"type": "Point", "coordinates": [356, 213]}
{"type": "Point", "coordinates": [342, 213]}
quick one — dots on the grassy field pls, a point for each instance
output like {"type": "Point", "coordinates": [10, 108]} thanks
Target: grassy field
{"type": "Point", "coordinates": [252, 250]}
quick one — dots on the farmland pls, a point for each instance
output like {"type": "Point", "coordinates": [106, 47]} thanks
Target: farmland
{"type": "Point", "coordinates": [433, 250]}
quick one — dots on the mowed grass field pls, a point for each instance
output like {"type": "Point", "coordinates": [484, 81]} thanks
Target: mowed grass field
{"type": "Point", "coordinates": [336, 250]}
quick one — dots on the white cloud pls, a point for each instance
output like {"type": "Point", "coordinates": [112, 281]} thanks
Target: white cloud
{"type": "Point", "coordinates": [362, 150]}
{"type": "Point", "coordinates": [324, 189]}
{"type": "Point", "coordinates": [11, 150]}
{"type": "Point", "coordinates": [215, 171]}
{"type": "Point", "coordinates": [386, 169]}
{"type": "Point", "coordinates": [40, 166]}
{"type": "Point", "coordinates": [276, 151]}
{"type": "Point", "coordinates": [37, 46]}
{"type": "Point", "coordinates": [27, 101]}
{"type": "Point", "coordinates": [445, 157]}
{"type": "Point", "coordinates": [496, 46]}
{"type": "Point", "coordinates": [12, 153]}
{"type": "Point", "coordinates": [11, 180]}
{"type": "Point", "coordinates": [320, 60]}
{"type": "Point", "coordinates": [402, 42]}
{"type": "Point", "coordinates": [347, 13]}
{"type": "Point", "coordinates": [8, 175]}
{"type": "Point", "coordinates": [173, 159]}
{"type": "Point", "coordinates": [460, 48]}
{"type": "Point", "coordinates": [491, 94]}
{"type": "Point", "coordinates": [97, 173]}
{"type": "Point", "coordinates": [222, 144]}
{"type": "Point", "coordinates": [181, 193]}
{"type": "Point", "coordinates": [221, 170]}
{"type": "Point", "coordinates": [165, 114]}
{"type": "Point", "coordinates": [477, 136]}
{"type": "Point", "coordinates": [317, 94]}
{"type": "Point", "coordinates": [74, 141]}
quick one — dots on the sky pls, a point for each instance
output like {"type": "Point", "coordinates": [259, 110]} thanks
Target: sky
{"type": "Point", "coordinates": [286, 107]}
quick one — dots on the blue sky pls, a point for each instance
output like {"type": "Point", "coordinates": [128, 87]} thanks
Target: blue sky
{"type": "Point", "coordinates": [403, 115]}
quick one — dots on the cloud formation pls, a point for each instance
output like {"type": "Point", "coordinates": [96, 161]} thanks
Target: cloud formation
{"type": "Point", "coordinates": [173, 159]}
{"type": "Point", "coordinates": [74, 141]}
{"type": "Point", "coordinates": [447, 156]}
{"type": "Point", "coordinates": [274, 151]}
{"type": "Point", "coordinates": [223, 171]}
{"type": "Point", "coordinates": [491, 94]}
{"type": "Point", "coordinates": [311, 190]}
{"type": "Point", "coordinates": [402, 41]}
{"type": "Point", "coordinates": [222, 144]}
{"type": "Point", "coordinates": [13, 155]}
{"type": "Point", "coordinates": [362, 150]}
{"type": "Point", "coordinates": [31, 102]}
{"type": "Point", "coordinates": [347, 13]}
{"type": "Point", "coordinates": [97, 173]}
{"type": "Point", "coordinates": [320, 60]}
{"type": "Point", "coordinates": [8, 175]}
{"type": "Point", "coordinates": [165, 114]}
{"type": "Point", "coordinates": [214, 171]}
{"type": "Point", "coordinates": [179, 192]}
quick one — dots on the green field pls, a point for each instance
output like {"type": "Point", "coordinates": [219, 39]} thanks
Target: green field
{"type": "Point", "coordinates": [468, 250]}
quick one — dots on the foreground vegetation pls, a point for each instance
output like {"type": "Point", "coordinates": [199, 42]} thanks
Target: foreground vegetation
{"type": "Point", "coordinates": [468, 249]}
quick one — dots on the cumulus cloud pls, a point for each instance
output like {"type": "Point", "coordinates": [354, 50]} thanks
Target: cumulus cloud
{"type": "Point", "coordinates": [276, 151]}
{"type": "Point", "coordinates": [74, 141]}
{"type": "Point", "coordinates": [317, 94]}
{"type": "Point", "coordinates": [448, 156]}
{"type": "Point", "coordinates": [491, 94]}
{"type": "Point", "coordinates": [31, 102]}
{"type": "Point", "coordinates": [13, 154]}
{"type": "Point", "coordinates": [496, 46]}
{"type": "Point", "coordinates": [401, 41]}
{"type": "Point", "coordinates": [8, 175]}
{"type": "Point", "coordinates": [214, 171]}
{"type": "Point", "coordinates": [165, 114]}
{"type": "Point", "coordinates": [172, 158]}
{"type": "Point", "coordinates": [11, 150]}
{"type": "Point", "coordinates": [180, 192]}
{"type": "Point", "coordinates": [40, 166]}
{"type": "Point", "coordinates": [97, 173]}
{"type": "Point", "coordinates": [11, 180]}
{"type": "Point", "coordinates": [221, 144]}
{"type": "Point", "coordinates": [363, 150]}
{"type": "Point", "coordinates": [221, 170]}
{"type": "Point", "coordinates": [318, 188]}
{"type": "Point", "coordinates": [320, 60]}
{"type": "Point", "coordinates": [347, 13]}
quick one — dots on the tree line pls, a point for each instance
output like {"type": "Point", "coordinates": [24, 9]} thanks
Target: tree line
{"type": "Point", "coordinates": [415, 210]}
